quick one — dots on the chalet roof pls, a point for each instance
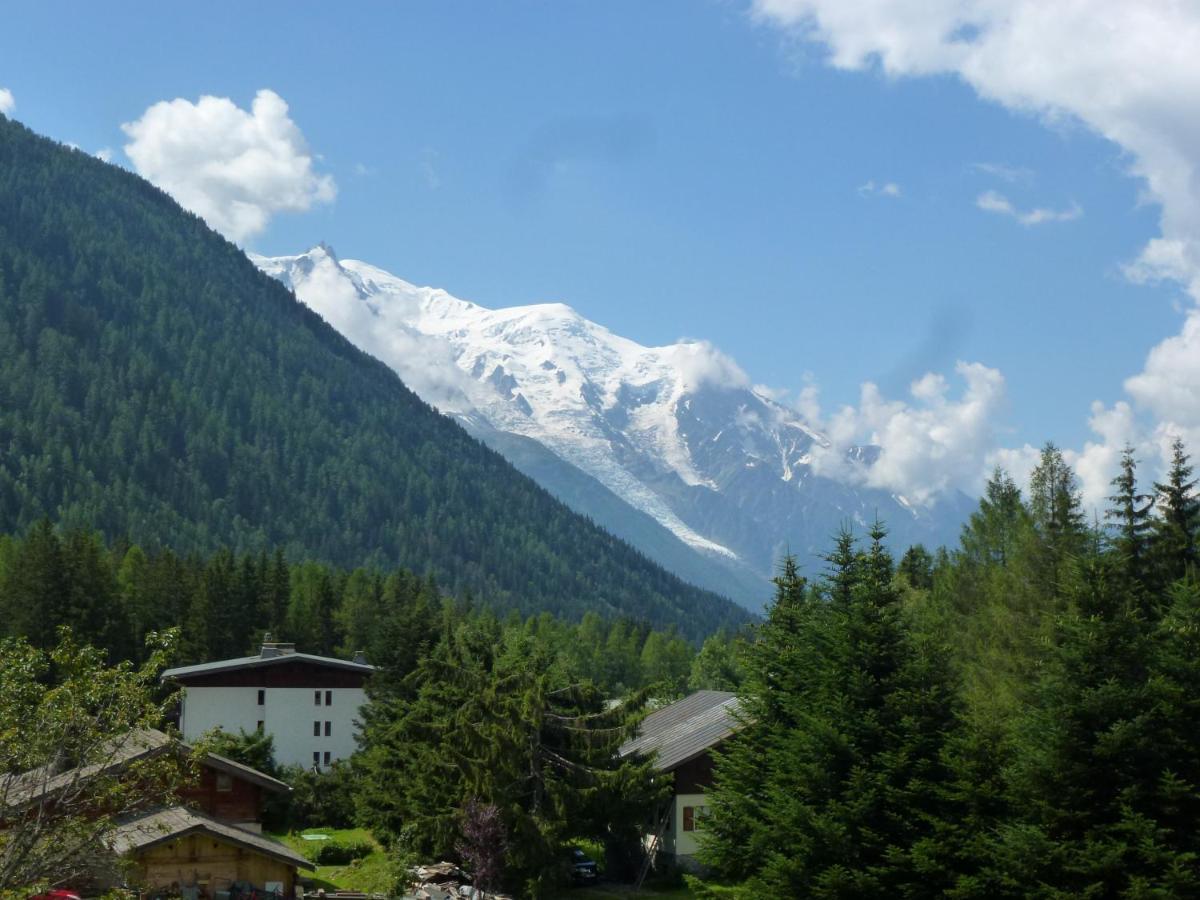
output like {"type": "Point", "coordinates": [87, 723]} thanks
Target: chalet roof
{"type": "Point", "coordinates": [182, 673]}
{"type": "Point", "coordinates": [140, 743]}
{"type": "Point", "coordinates": [150, 829]}
{"type": "Point", "coordinates": [682, 731]}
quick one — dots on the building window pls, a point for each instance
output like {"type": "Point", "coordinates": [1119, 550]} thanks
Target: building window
{"type": "Point", "coordinates": [259, 726]}
{"type": "Point", "coordinates": [329, 698]}
{"type": "Point", "coordinates": [328, 727]}
{"type": "Point", "coordinates": [316, 729]}
{"type": "Point", "coordinates": [326, 757]}
{"type": "Point", "coordinates": [224, 783]}
{"type": "Point", "coordinates": [689, 818]}
{"type": "Point", "coordinates": [262, 697]}
{"type": "Point", "coordinates": [316, 698]}
{"type": "Point", "coordinates": [316, 759]}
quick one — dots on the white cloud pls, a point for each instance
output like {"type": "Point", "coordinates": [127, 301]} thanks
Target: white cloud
{"type": "Point", "coordinates": [1169, 383]}
{"type": "Point", "coordinates": [104, 154]}
{"type": "Point", "coordinates": [700, 363]}
{"type": "Point", "coordinates": [7, 102]}
{"type": "Point", "coordinates": [234, 168]}
{"type": "Point", "coordinates": [887, 189]}
{"type": "Point", "coordinates": [995, 202]}
{"type": "Point", "coordinates": [1128, 72]}
{"type": "Point", "coordinates": [1005, 172]}
{"type": "Point", "coordinates": [928, 445]}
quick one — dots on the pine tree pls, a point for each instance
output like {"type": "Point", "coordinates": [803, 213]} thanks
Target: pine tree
{"type": "Point", "coordinates": [1129, 512]}
{"type": "Point", "coordinates": [1057, 513]}
{"type": "Point", "coordinates": [1178, 526]}
{"type": "Point", "coordinates": [1094, 788]}
{"type": "Point", "coordinates": [832, 786]}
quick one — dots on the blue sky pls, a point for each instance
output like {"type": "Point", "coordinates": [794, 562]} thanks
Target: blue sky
{"type": "Point", "coordinates": [673, 169]}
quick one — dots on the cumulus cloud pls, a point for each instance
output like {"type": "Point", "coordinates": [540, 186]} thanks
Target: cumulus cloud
{"type": "Point", "coordinates": [995, 202]}
{"type": "Point", "coordinates": [928, 444]}
{"type": "Point", "coordinates": [887, 189]}
{"type": "Point", "coordinates": [104, 154]}
{"type": "Point", "coordinates": [1126, 71]}
{"type": "Point", "coordinates": [700, 363]}
{"type": "Point", "coordinates": [7, 102]}
{"type": "Point", "coordinates": [235, 168]}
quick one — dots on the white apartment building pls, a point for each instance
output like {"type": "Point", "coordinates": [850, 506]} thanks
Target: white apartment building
{"type": "Point", "coordinates": [308, 704]}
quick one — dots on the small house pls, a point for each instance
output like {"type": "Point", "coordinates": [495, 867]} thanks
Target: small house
{"type": "Point", "coordinates": [680, 738]}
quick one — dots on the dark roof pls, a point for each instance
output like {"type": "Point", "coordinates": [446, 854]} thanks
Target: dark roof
{"type": "Point", "coordinates": [181, 673]}
{"type": "Point", "coordinates": [682, 731]}
{"type": "Point", "coordinates": [140, 743]}
{"type": "Point", "coordinates": [149, 829]}
{"type": "Point", "coordinates": [244, 772]}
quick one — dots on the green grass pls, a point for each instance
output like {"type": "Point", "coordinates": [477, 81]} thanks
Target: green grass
{"type": "Point", "coordinates": [371, 874]}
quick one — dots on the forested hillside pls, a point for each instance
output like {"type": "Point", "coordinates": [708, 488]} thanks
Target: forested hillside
{"type": "Point", "coordinates": [155, 385]}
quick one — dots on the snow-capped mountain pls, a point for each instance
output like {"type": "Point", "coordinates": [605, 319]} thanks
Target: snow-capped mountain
{"type": "Point", "coordinates": [643, 439]}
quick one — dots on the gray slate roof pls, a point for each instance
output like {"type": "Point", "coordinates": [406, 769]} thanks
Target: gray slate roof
{"type": "Point", "coordinates": [682, 731]}
{"type": "Point", "coordinates": [147, 830]}
{"type": "Point", "coordinates": [180, 673]}
{"type": "Point", "coordinates": [140, 743]}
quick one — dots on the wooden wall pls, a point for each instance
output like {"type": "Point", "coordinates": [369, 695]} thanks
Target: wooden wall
{"type": "Point", "coordinates": [202, 858]}
{"type": "Point", "coordinates": [241, 803]}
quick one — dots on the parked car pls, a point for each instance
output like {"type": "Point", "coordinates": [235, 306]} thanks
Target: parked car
{"type": "Point", "coordinates": [583, 867]}
{"type": "Point", "coordinates": [56, 894]}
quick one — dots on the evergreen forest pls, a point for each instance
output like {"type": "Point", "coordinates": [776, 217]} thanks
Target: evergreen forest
{"type": "Point", "coordinates": [156, 387]}
{"type": "Point", "coordinates": [1016, 717]}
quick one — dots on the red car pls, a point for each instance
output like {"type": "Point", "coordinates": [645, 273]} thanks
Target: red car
{"type": "Point", "coordinates": [57, 894]}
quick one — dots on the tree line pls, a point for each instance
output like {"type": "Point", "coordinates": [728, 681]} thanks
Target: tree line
{"type": "Point", "coordinates": [113, 594]}
{"type": "Point", "coordinates": [1017, 717]}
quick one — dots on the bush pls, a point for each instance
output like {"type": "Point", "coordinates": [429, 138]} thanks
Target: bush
{"type": "Point", "coordinates": [318, 799]}
{"type": "Point", "coordinates": [338, 852]}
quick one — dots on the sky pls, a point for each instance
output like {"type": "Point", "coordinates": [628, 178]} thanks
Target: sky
{"type": "Point", "coordinates": [956, 228]}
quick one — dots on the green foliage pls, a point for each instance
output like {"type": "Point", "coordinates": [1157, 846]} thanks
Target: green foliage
{"type": "Point", "coordinates": [490, 716]}
{"type": "Point", "coordinates": [155, 385]}
{"type": "Point", "coordinates": [64, 712]}
{"type": "Point", "coordinates": [1016, 718]}
{"type": "Point", "coordinates": [834, 783]}
{"type": "Point", "coordinates": [250, 748]}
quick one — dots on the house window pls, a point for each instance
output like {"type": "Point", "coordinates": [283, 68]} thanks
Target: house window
{"type": "Point", "coordinates": [326, 757]}
{"type": "Point", "coordinates": [224, 783]}
{"type": "Point", "coordinates": [259, 726]}
{"type": "Point", "coordinates": [316, 759]}
{"type": "Point", "coordinates": [329, 698]}
{"type": "Point", "coordinates": [316, 698]}
{"type": "Point", "coordinates": [328, 728]}
{"type": "Point", "coordinates": [262, 697]}
{"type": "Point", "coordinates": [316, 729]}
{"type": "Point", "coordinates": [689, 818]}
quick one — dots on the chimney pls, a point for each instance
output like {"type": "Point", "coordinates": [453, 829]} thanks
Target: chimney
{"type": "Point", "coordinates": [272, 648]}
{"type": "Point", "coordinates": [360, 657]}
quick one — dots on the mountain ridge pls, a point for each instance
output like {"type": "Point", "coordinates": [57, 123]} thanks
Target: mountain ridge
{"type": "Point", "coordinates": [677, 432]}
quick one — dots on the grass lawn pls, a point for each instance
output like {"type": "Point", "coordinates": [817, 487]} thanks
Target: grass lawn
{"type": "Point", "coordinates": [371, 874]}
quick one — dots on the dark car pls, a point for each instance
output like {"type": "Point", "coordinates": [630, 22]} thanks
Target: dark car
{"type": "Point", "coordinates": [583, 867]}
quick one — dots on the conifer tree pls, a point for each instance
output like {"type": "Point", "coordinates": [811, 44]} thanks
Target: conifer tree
{"type": "Point", "coordinates": [1178, 526]}
{"type": "Point", "coordinates": [1129, 512]}
{"type": "Point", "coordinates": [832, 786]}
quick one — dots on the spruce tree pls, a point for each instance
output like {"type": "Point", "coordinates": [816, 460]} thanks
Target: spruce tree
{"type": "Point", "coordinates": [832, 787]}
{"type": "Point", "coordinates": [1129, 513]}
{"type": "Point", "coordinates": [1178, 525]}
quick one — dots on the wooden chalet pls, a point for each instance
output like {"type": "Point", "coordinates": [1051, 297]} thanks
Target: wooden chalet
{"type": "Point", "coordinates": [680, 738]}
